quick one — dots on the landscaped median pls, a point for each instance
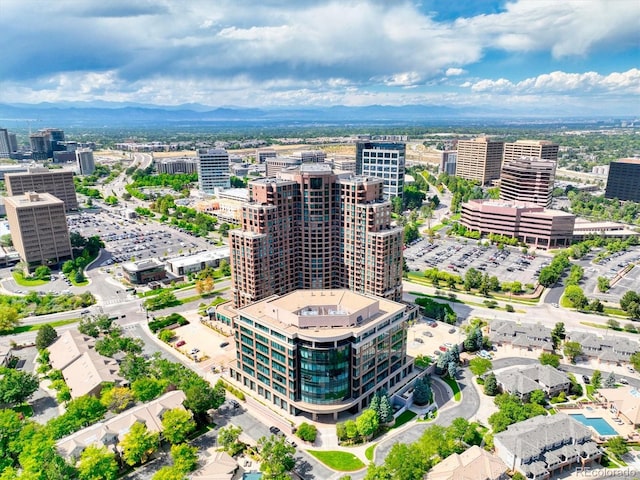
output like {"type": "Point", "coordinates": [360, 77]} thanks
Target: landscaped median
{"type": "Point", "coordinates": [338, 460]}
{"type": "Point", "coordinates": [457, 395]}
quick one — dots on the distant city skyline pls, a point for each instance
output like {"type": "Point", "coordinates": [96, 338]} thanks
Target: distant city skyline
{"type": "Point", "coordinates": [526, 55]}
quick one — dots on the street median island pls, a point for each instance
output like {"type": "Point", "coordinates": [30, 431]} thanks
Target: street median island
{"type": "Point", "coordinates": [337, 460]}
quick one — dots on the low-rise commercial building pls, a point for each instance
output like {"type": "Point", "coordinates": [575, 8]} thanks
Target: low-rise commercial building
{"type": "Point", "coordinates": [529, 223]}
{"type": "Point", "coordinates": [199, 261]}
{"type": "Point", "coordinates": [544, 445]}
{"type": "Point", "coordinates": [144, 271]}
{"type": "Point", "coordinates": [321, 352]}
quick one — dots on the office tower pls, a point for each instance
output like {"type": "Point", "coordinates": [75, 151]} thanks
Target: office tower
{"type": "Point", "coordinates": [321, 352]}
{"type": "Point", "coordinates": [529, 223]}
{"type": "Point", "coordinates": [530, 148]}
{"type": "Point", "coordinates": [448, 160]}
{"type": "Point", "coordinates": [42, 180]}
{"type": "Point", "coordinates": [623, 181]}
{"type": "Point", "coordinates": [312, 229]}
{"type": "Point", "coordinates": [479, 159]}
{"type": "Point", "coordinates": [528, 179]}
{"type": "Point", "coordinates": [55, 141]}
{"type": "Point", "coordinates": [262, 154]}
{"type": "Point", "coordinates": [13, 145]}
{"type": "Point", "coordinates": [38, 228]}
{"type": "Point", "coordinates": [39, 145]}
{"type": "Point", "coordinates": [176, 165]}
{"type": "Point", "coordinates": [5, 144]}
{"type": "Point", "coordinates": [213, 169]}
{"type": "Point", "coordinates": [84, 161]}
{"type": "Point", "coordinates": [385, 160]}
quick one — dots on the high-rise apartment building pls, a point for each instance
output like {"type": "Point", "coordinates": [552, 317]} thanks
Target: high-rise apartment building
{"type": "Point", "coordinates": [213, 169]}
{"type": "Point", "coordinates": [5, 144]}
{"type": "Point", "coordinates": [448, 160]}
{"type": "Point", "coordinates": [58, 183]}
{"type": "Point", "coordinates": [39, 142]}
{"type": "Point", "coordinates": [479, 159]}
{"type": "Point", "coordinates": [623, 181]}
{"type": "Point", "coordinates": [84, 161]}
{"type": "Point", "coordinates": [38, 228]}
{"type": "Point", "coordinates": [321, 352]}
{"type": "Point", "coordinates": [312, 229]}
{"type": "Point", "coordinates": [528, 179]}
{"type": "Point", "coordinates": [385, 160]}
{"type": "Point", "coordinates": [530, 148]}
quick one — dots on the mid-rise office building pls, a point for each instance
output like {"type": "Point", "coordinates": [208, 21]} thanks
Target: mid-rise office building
{"type": "Point", "coordinates": [385, 160]}
{"type": "Point", "coordinates": [528, 222]}
{"type": "Point", "coordinates": [84, 161]}
{"type": "Point", "coordinates": [623, 181]}
{"type": "Point", "coordinates": [448, 161]}
{"type": "Point", "coordinates": [38, 228]}
{"type": "Point", "coordinates": [275, 165]}
{"type": "Point", "coordinates": [177, 165]}
{"type": "Point", "coordinates": [321, 352]}
{"type": "Point", "coordinates": [213, 169]}
{"type": "Point", "coordinates": [5, 144]}
{"type": "Point", "coordinates": [479, 160]}
{"type": "Point", "coordinates": [42, 180]}
{"type": "Point", "coordinates": [528, 179]}
{"type": "Point", "coordinates": [312, 229]}
{"type": "Point", "coordinates": [263, 153]}
{"type": "Point", "coordinates": [39, 142]}
{"type": "Point", "coordinates": [530, 148]}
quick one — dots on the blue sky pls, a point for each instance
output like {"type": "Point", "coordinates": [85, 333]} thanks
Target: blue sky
{"type": "Point", "coordinates": [566, 55]}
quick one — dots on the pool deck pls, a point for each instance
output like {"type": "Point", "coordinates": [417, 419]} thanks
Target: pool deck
{"type": "Point", "coordinates": [625, 430]}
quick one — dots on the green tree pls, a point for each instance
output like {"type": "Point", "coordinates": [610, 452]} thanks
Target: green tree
{"type": "Point", "coordinates": [474, 340]}
{"type": "Point", "coordinates": [169, 473]}
{"type": "Point", "coordinates": [635, 360]}
{"type": "Point", "coordinates": [603, 284]}
{"type": "Point", "coordinates": [177, 424]}
{"type": "Point", "coordinates": [351, 429]}
{"type": "Point", "coordinates": [490, 385]}
{"type": "Point", "coordinates": [45, 337]}
{"type": "Point", "coordinates": [367, 423]}
{"type": "Point", "coordinates": [42, 272]}
{"type": "Point", "coordinates": [276, 457]}
{"type": "Point", "coordinates": [479, 366]}
{"type": "Point", "coordinates": [307, 432]}
{"type": "Point", "coordinates": [618, 446]}
{"type": "Point", "coordinates": [406, 462]}
{"type": "Point", "coordinates": [472, 279]}
{"type": "Point", "coordinates": [97, 463]}
{"type": "Point", "coordinates": [11, 424]}
{"type": "Point", "coordinates": [576, 296]}
{"type": "Point", "coordinates": [596, 379]}
{"type": "Point", "coordinates": [422, 393]}
{"type": "Point", "coordinates": [228, 439]}
{"type": "Point", "coordinates": [610, 381]}
{"type": "Point", "coordinates": [549, 359]}
{"type": "Point", "coordinates": [386, 410]}
{"type": "Point", "coordinates": [8, 318]}
{"type": "Point", "coordinates": [572, 350]}
{"type": "Point", "coordinates": [538, 397]}
{"type": "Point", "coordinates": [185, 457]}
{"type": "Point", "coordinates": [6, 240]}
{"type": "Point", "coordinates": [117, 399]}
{"type": "Point", "coordinates": [201, 397]}
{"type": "Point", "coordinates": [16, 386]}
{"type": "Point", "coordinates": [138, 444]}
{"type": "Point", "coordinates": [134, 367]}
{"type": "Point", "coordinates": [146, 389]}
{"type": "Point", "coordinates": [558, 334]}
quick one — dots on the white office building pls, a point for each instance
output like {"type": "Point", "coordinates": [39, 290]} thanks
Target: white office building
{"type": "Point", "coordinates": [213, 169]}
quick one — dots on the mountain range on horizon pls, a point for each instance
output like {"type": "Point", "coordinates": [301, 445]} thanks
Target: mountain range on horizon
{"type": "Point", "coordinates": [114, 114]}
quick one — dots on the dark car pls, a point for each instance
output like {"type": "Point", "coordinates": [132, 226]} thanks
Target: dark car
{"type": "Point", "coordinates": [585, 379]}
{"type": "Point", "coordinates": [274, 430]}
{"type": "Point", "coordinates": [235, 404]}
{"type": "Point", "coordinates": [224, 344]}
{"type": "Point", "coordinates": [452, 330]}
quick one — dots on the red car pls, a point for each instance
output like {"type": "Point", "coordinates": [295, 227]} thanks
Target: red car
{"type": "Point", "coordinates": [180, 343]}
{"type": "Point", "coordinates": [443, 348]}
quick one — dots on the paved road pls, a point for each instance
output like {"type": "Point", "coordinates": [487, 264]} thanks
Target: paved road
{"type": "Point", "coordinates": [446, 414]}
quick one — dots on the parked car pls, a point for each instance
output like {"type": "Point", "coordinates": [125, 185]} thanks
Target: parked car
{"type": "Point", "coordinates": [586, 379]}
{"type": "Point", "coordinates": [427, 334]}
{"type": "Point", "coordinates": [180, 343]}
{"type": "Point", "coordinates": [452, 330]}
{"type": "Point", "coordinates": [419, 340]}
{"type": "Point", "coordinates": [623, 381]}
{"type": "Point", "coordinates": [274, 430]}
{"type": "Point", "coordinates": [224, 344]}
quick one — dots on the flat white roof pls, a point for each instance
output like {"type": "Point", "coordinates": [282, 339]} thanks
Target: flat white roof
{"type": "Point", "coordinates": [209, 255]}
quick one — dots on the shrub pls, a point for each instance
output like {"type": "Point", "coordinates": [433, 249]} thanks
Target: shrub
{"type": "Point", "coordinates": [166, 335]}
{"type": "Point", "coordinates": [160, 323]}
{"type": "Point", "coordinates": [509, 308]}
{"type": "Point", "coordinates": [307, 432]}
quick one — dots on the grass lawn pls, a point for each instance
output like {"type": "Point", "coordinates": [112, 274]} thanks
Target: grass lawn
{"type": "Point", "coordinates": [33, 328]}
{"type": "Point", "coordinates": [457, 396]}
{"type": "Point", "coordinates": [336, 460]}
{"type": "Point", "coordinates": [369, 452]}
{"type": "Point", "coordinates": [26, 282]}
{"type": "Point", "coordinates": [403, 418]}
{"type": "Point", "coordinates": [78, 284]}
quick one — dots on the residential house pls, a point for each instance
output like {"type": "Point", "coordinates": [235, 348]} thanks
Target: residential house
{"type": "Point", "coordinates": [526, 336]}
{"type": "Point", "coordinates": [5, 354]}
{"type": "Point", "coordinates": [110, 432]}
{"type": "Point", "coordinates": [544, 445]}
{"type": "Point", "coordinates": [609, 350]}
{"type": "Point", "coordinates": [84, 370]}
{"type": "Point", "coordinates": [472, 464]}
{"type": "Point", "coordinates": [522, 381]}
{"type": "Point", "coordinates": [219, 466]}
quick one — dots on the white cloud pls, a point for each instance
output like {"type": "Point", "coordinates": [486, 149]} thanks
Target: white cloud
{"type": "Point", "coordinates": [621, 83]}
{"type": "Point", "coordinates": [452, 72]}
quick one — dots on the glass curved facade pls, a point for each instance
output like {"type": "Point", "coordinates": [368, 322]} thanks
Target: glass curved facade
{"type": "Point", "coordinates": [324, 374]}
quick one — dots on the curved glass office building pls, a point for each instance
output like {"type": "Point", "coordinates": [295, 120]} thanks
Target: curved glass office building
{"type": "Point", "coordinates": [324, 373]}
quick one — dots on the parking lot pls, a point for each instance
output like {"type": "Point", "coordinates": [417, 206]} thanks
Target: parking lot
{"type": "Point", "coordinates": [197, 340]}
{"type": "Point", "coordinates": [128, 239]}
{"type": "Point", "coordinates": [431, 338]}
{"type": "Point", "coordinates": [456, 256]}
{"type": "Point", "coordinates": [610, 267]}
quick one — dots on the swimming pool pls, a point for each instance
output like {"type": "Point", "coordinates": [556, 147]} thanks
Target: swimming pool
{"type": "Point", "coordinates": [599, 424]}
{"type": "Point", "coordinates": [252, 476]}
